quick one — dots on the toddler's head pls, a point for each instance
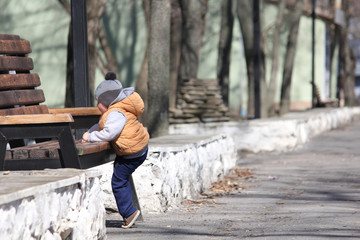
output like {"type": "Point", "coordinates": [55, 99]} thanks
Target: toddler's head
{"type": "Point", "coordinates": [108, 90]}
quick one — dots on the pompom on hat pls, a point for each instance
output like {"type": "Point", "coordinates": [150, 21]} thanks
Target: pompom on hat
{"type": "Point", "coordinates": [108, 90]}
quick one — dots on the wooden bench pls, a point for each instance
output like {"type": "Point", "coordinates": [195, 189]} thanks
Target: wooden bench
{"type": "Point", "coordinates": [23, 117]}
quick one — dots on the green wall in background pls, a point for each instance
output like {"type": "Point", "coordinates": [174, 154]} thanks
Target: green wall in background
{"type": "Point", "coordinates": [301, 90]}
{"type": "Point", "coordinates": [45, 24]}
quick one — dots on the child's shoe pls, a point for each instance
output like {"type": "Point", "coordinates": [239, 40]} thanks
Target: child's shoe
{"type": "Point", "coordinates": [129, 221]}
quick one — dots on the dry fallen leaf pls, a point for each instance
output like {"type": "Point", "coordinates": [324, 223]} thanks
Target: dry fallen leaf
{"type": "Point", "coordinates": [233, 182]}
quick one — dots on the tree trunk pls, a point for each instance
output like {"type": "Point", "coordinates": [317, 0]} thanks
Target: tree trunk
{"type": "Point", "coordinates": [289, 57]}
{"type": "Point", "coordinates": [349, 78]}
{"type": "Point", "coordinates": [334, 41]}
{"type": "Point", "coordinates": [110, 64]}
{"type": "Point", "coordinates": [225, 39]}
{"type": "Point", "coordinates": [175, 49]}
{"type": "Point", "coordinates": [244, 14]}
{"type": "Point", "coordinates": [348, 62]}
{"type": "Point", "coordinates": [142, 80]}
{"type": "Point", "coordinates": [94, 10]}
{"type": "Point", "coordinates": [158, 85]}
{"type": "Point", "coordinates": [270, 103]}
{"type": "Point", "coordinates": [193, 14]}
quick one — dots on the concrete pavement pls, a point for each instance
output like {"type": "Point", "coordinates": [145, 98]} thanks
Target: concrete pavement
{"type": "Point", "coordinates": [309, 193]}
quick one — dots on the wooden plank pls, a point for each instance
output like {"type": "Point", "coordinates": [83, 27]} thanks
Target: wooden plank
{"type": "Point", "coordinates": [46, 144]}
{"type": "Point", "coordinates": [9, 37]}
{"type": "Point", "coordinates": [15, 47]}
{"type": "Point", "coordinates": [83, 148]}
{"type": "Point", "coordinates": [48, 149]}
{"type": "Point", "coordinates": [20, 153]}
{"type": "Point", "coordinates": [80, 111]}
{"type": "Point", "coordinates": [91, 147]}
{"type": "Point", "coordinates": [12, 81]}
{"type": "Point", "coordinates": [39, 153]}
{"type": "Point", "coordinates": [54, 153]}
{"type": "Point", "coordinates": [35, 109]}
{"type": "Point", "coordinates": [35, 119]}
{"type": "Point", "coordinates": [8, 63]}
{"type": "Point", "coordinates": [21, 97]}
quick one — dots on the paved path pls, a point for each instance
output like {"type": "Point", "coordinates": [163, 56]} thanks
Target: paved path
{"type": "Point", "coordinates": [310, 193]}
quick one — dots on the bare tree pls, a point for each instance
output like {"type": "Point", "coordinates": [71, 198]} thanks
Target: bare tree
{"type": "Point", "coordinates": [175, 50]}
{"type": "Point", "coordinates": [158, 85]}
{"type": "Point", "coordinates": [347, 60]}
{"type": "Point", "coordinates": [193, 15]}
{"type": "Point", "coordinates": [245, 16]}
{"type": "Point", "coordinates": [142, 80]}
{"type": "Point", "coordinates": [224, 52]}
{"type": "Point", "coordinates": [95, 10]}
{"type": "Point", "coordinates": [294, 18]}
{"type": "Point", "coordinates": [270, 103]}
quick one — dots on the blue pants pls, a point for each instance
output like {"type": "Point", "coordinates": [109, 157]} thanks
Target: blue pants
{"type": "Point", "coordinates": [123, 168]}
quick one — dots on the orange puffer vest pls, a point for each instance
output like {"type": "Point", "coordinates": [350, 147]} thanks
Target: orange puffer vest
{"type": "Point", "coordinates": [134, 137]}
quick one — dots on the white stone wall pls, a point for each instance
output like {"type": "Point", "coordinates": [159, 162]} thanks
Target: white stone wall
{"type": "Point", "coordinates": [66, 208]}
{"type": "Point", "coordinates": [274, 134]}
{"type": "Point", "coordinates": [177, 168]}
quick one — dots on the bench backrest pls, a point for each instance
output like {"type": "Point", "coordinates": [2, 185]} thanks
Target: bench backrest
{"type": "Point", "coordinates": [18, 87]}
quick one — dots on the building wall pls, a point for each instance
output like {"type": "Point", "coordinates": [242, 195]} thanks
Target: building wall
{"type": "Point", "coordinates": [301, 91]}
{"type": "Point", "coordinates": [45, 24]}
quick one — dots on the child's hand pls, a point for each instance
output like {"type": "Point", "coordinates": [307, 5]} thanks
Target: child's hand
{"type": "Point", "coordinates": [85, 137]}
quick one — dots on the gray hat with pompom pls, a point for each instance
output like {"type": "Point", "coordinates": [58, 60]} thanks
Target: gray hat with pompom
{"type": "Point", "coordinates": [108, 90]}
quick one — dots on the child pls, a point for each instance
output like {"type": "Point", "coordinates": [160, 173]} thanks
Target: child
{"type": "Point", "coordinates": [119, 125]}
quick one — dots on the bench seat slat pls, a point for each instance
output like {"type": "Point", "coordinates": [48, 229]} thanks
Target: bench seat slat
{"type": "Point", "coordinates": [19, 47]}
{"type": "Point", "coordinates": [8, 63]}
{"type": "Point", "coordinates": [42, 145]}
{"type": "Point", "coordinates": [36, 119]}
{"type": "Point", "coordinates": [35, 109]}
{"type": "Point", "coordinates": [9, 37]}
{"type": "Point", "coordinates": [20, 154]}
{"type": "Point", "coordinates": [50, 149]}
{"type": "Point", "coordinates": [91, 147]}
{"type": "Point", "coordinates": [21, 97]}
{"type": "Point", "coordinates": [80, 111]}
{"type": "Point", "coordinates": [13, 81]}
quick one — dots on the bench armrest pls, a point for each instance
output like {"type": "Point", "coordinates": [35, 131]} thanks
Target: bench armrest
{"type": "Point", "coordinates": [36, 119]}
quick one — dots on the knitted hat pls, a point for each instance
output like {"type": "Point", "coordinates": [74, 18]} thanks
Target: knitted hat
{"type": "Point", "coordinates": [108, 90]}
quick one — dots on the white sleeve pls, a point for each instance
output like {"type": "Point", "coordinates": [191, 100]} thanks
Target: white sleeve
{"type": "Point", "coordinates": [115, 123]}
{"type": "Point", "coordinates": [95, 127]}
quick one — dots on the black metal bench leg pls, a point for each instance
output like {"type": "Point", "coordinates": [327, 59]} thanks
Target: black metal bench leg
{"type": "Point", "coordinates": [68, 154]}
{"type": "Point", "coordinates": [3, 142]}
{"type": "Point", "coordinates": [135, 200]}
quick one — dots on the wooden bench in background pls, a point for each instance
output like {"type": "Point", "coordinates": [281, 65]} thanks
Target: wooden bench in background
{"type": "Point", "coordinates": [23, 117]}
